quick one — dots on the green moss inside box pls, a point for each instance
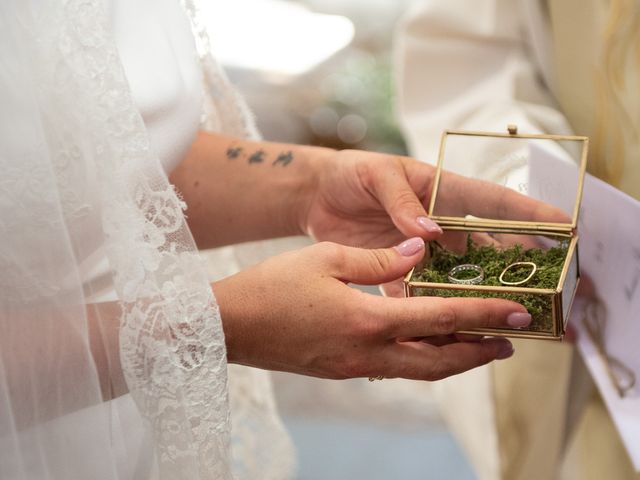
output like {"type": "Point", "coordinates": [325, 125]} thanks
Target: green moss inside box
{"type": "Point", "coordinates": [493, 260]}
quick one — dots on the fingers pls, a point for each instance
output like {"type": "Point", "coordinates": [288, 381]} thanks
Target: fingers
{"type": "Point", "coordinates": [462, 196]}
{"type": "Point", "coordinates": [428, 316]}
{"type": "Point", "coordinates": [421, 361]}
{"type": "Point", "coordinates": [373, 266]}
{"type": "Point", "coordinates": [392, 188]}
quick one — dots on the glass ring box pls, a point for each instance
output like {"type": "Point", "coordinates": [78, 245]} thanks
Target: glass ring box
{"type": "Point", "coordinates": [518, 243]}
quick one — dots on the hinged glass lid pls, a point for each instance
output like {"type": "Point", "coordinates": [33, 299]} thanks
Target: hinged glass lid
{"type": "Point", "coordinates": [548, 168]}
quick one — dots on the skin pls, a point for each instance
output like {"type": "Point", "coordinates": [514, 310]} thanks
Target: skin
{"type": "Point", "coordinates": [301, 316]}
{"type": "Point", "coordinates": [325, 328]}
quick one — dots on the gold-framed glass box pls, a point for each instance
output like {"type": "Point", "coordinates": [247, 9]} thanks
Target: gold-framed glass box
{"type": "Point", "coordinates": [504, 248]}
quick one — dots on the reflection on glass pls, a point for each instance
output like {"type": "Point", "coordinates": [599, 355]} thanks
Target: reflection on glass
{"type": "Point", "coordinates": [525, 165]}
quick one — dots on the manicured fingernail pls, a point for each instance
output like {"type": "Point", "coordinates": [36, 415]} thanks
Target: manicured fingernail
{"type": "Point", "coordinates": [410, 247]}
{"type": "Point", "coordinates": [505, 350]}
{"type": "Point", "coordinates": [518, 319]}
{"type": "Point", "coordinates": [429, 225]}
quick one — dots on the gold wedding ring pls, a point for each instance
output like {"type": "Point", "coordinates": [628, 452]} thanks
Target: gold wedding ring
{"type": "Point", "coordinates": [516, 264]}
{"type": "Point", "coordinates": [373, 379]}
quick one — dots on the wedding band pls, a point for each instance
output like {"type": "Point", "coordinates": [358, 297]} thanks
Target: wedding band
{"type": "Point", "coordinates": [373, 379]}
{"type": "Point", "coordinates": [466, 267]}
{"type": "Point", "coordinates": [519, 282]}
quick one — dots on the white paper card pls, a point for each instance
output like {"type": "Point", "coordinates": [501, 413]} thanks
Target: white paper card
{"type": "Point", "coordinates": [609, 229]}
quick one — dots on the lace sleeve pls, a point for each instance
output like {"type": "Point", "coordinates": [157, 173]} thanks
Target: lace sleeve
{"type": "Point", "coordinates": [91, 136]}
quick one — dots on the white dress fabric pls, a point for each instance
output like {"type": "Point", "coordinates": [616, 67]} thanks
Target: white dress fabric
{"type": "Point", "coordinates": [81, 169]}
{"type": "Point", "coordinates": [157, 51]}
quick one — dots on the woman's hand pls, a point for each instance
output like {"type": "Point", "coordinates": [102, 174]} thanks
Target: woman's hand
{"type": "Point", "coordinates": [370, 200]}
{"type": "Point", "coordinates": [296, 313]}
{"type": "Point", "coordinates": [374, 200]}
{"type": "Point", "coordinates": [239, 190]}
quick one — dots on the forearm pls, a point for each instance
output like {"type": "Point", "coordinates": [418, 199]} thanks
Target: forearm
{"type": "Point", "coordinates": [51, 354]}
{"type": "Point", "coordinates": [103, 320]}
{"type": "Point", "coordinates": [239, 190]}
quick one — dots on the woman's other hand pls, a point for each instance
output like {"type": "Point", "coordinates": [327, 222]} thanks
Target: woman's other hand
{"type": "Point", "coordinates": [374, 200]}
{"type": "Point", "coordinates": [297, 313]}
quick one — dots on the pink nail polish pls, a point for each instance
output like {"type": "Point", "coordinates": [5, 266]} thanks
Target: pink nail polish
{"type": "Point", "coordinates": [518, 319]}
{"type": "Point", "coordinates": [429, 225]}
{"type": "Point", "coordinates": [410, 247]}
{"type": "Point", "coordinates": [505, 350]}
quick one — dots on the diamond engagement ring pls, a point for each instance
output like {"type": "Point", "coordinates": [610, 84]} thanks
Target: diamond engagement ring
{"type": "Point", "coordinates": [533, 266]}
{"type": "Point", "coordinates": [467, 267]}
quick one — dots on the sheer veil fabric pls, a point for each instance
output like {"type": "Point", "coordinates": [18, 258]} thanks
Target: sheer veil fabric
{"type": "Point", "coordinates": [76, 162]}
{"type": "Point", "coordinates": [260, 445]}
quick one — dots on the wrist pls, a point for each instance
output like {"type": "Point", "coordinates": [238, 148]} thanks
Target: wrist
{"type": "Point", "coordinates": [318, 161]}
{"type": "Point", "coordinates": [225, 299]}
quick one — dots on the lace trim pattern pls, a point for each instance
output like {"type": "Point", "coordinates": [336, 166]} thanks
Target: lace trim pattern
{"type": "Point", "coordinates": [171, 339]}
{"type": "Point", "coordinates": [261, 447]}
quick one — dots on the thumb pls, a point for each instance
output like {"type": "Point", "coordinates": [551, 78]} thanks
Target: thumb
{"type": "Point", "coordinates": [399, 199]}
{"type": "Point", "coordinates": [376, 266]}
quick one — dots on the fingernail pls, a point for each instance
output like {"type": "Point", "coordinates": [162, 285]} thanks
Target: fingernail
{"type": "Point", "coordinates": [429, 225]}
{"type": "Point", "coordinates": [518, 319]}
{"type": "Point", "coordinates": [505, 350]}
{"type": "Point", "coordinates": [410, 247]}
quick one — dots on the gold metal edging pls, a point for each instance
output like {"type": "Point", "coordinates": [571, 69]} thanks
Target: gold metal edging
{"type": "Point", "coordinates": [573, 295]}
{"type": "Point", "coordinates": [541, 136]}
{"type": "Point", "coordinates": [511, 334]}
{"type": "Point", "coordinates": [504, 226]}
{"type": "Point", "coordinates": [513, 223]}
{"type": "Point", "coordinates": [583, 170]}
{"type": "Point", "coordinates": [407, 277]}
{"type": "Point", "coordinates": [567, 261]}
{"type": "Point", "coordinates": [481, 288]}
{"type": "Point", "coordinates": [436, 182]}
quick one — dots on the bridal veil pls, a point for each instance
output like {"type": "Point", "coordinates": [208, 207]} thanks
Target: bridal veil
{"type": "Point", "coordinates": [76, 171]}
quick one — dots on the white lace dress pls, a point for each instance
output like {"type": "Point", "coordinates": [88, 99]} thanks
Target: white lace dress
{"type": "Point", "coordinates": [157, 50]}
{"type": "Point", "coordinates": [102, 96]}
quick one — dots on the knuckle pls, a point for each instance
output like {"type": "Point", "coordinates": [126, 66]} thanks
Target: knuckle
{"type": "Point", "coordinates": [366, 327]}
{"type": "Point", "coordinates": [332, 253]}
{"type": "Point", "coordinates": [378, 167]}
{"type": "Point", "coordinates": [487, 314]}
{"type": "Point", "coordinates": [445, 320]}
{"type": "Point", "coordinates": [379, 261]}
{"type": "Point", "coordinates": [405, 200]}
{"type": "Point", "coordinates": [366, 174]}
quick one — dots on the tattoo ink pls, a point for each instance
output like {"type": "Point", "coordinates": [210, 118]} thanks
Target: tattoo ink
{"type": "Point", "coordinates": [257, 157]}
{"type": "Point", "coordinates": [233, 152]}
{"type": "Point", "coordinates": [284, 158]}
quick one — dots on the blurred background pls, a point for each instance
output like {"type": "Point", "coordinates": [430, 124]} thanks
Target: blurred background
{"type": "Point", "coordinates": [321, 72]}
